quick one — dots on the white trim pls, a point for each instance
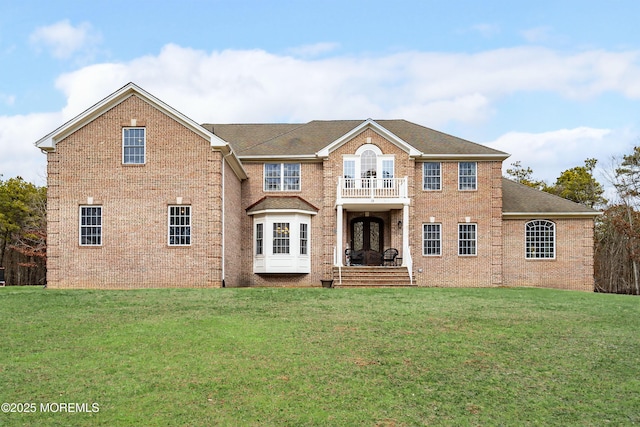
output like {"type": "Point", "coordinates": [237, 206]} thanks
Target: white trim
{"type": "Point", "coordinates": [282, 263]}
{"type": "Point", "coordinates": [91, 206]}
{"type": "Point", "coordinates": [223, 216]}
{"type": "Point", "coordinates": [282, 177]}
{"type": "Point", "coordinates": [282, 211]}
{"type": "Point", "coordinates": [174, 245]}
{"type": "Point", "coordinates": [462, 157]}
{"type": "Point", "coordinates": [475, 240]}
{"type": "Point", "coordinates": [368, 124]}
{"type": "Point", "coordinates": [543, 215]}
{"type": "Point", "coordinates": [555, 238]}
{"type": "Point", "coordinates": [144, 146]}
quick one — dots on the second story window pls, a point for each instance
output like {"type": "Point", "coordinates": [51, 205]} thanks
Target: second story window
{"type": "Point", "coordinates": [282, 177]}
{"type": "Point", "coordinates": [467, 176]}
{"type": "Point", "coordinates": [431, 177]}
{"type": "Point", "coordinates": [133, 146]}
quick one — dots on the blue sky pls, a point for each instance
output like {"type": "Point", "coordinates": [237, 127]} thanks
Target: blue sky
{"type": "Point", "coordinates": [551, 82]}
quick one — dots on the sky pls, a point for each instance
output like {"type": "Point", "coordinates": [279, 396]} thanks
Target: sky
{"type": "Point", "coordinates": [551, 82]}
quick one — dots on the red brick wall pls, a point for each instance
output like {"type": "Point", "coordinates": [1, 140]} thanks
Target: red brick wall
{"type": "Point", "coordinates": [451, 207]}
{"type": "Point", "coordinates": [573, 266]}
{"type": "Point", "coordinates": [134, 254]}
{"type": "Point", "coordinates": [233, 214]}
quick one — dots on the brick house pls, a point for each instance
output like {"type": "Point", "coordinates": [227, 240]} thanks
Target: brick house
{"type": "Point", "coordinates": [139, 195]}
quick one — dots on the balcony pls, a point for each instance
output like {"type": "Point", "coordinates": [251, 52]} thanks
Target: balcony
{"type": "Point", "coordinates": [372, 193]}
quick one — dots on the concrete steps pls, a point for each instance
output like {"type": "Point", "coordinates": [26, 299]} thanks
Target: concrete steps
{"type": "Point", "coordinates": [361, 276]}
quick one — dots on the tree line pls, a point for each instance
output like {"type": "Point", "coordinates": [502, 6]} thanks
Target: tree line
{"type": "Point", "coordinates": [23, 232]}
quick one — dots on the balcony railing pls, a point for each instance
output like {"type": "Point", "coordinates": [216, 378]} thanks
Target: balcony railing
{"type": "Point", "coordinates": [372, 188]}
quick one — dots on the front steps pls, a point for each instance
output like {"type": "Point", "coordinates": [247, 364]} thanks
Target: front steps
{"type": "Point", "coordinates": [361, 276]}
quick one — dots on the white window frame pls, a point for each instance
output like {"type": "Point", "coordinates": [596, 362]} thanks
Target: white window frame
{"type": "Point", "coordinates": [187, 225]}
{"type": "Point", "coordinates": [273, 258]}
{"type": "Point", "coordinates": [125, 138]}
{"type": "Point", "coordinates": [304, 238]}
{"type": "Point", "coordinates": [537, 245]}
{"type": "Point", "coordinates": [97, 228]}
{"type": "Point", "coordinates": [467, 182]}
{"type": "Point", "coordinates": [259, 239]}
{"type": "Point", "coordinates": [433, 177]}
{"type": "Point", "coordinates": [425, 239]}
{"type": "Point", "coordinates": [384, 163]}
{"type": "Point", "coordinates": [473, 247]}
{"type": "Point", "coordinates": [282, 179]}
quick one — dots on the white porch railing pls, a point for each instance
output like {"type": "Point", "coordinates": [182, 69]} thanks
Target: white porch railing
{"type": "Point", "coordinates": [372, 188]}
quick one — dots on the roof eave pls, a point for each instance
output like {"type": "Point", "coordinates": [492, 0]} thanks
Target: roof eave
{"type": "Point", "coordinates": [520, 215]}
{"type": "Point", "coordinates": [489, 156]}
{"type": "Point", "coordinates": [372, 124]}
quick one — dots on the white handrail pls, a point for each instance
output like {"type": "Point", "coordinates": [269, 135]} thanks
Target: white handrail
{"type": "Point", "coordinates": [372, 188]}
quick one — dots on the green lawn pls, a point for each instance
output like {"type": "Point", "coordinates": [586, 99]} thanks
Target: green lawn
{"type": "Point", "coordinates": [294, 357]}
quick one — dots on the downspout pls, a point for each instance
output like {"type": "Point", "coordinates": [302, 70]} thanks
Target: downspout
{"type": "Point", "coordinates": [224, 160]}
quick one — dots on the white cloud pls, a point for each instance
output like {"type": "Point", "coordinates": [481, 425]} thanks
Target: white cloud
{"type": "Point", "coordinates": [8, 100]}
{"type": "Point", "coordinates": [486, 30]}
{"type": "Point", "coordinates": [17, 136]}
{"type": "Point", "coordinates": [433, 89]}
{"type": "Point", "coordinates": [63, 40]}
{"type": "Point", "coordinates": [257, 85]}
{"type": "Point", "coordinates": [537, 34]}
{"type": "Point", "coordinates": [313, 50]}
{"type": "Point", "coordinates": [548, 154]}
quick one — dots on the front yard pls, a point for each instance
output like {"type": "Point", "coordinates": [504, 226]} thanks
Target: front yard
{"type": "Point", "coordinates": [372, 357]}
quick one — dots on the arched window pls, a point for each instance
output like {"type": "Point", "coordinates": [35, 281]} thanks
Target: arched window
{"type": "Point", "coordinates": [540, 239]}
{"type": "Point", "coordinates": [368, 164]}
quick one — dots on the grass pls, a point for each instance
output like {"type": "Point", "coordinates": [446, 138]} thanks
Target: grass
{"type": "Point", "coordinates": [366, 357]}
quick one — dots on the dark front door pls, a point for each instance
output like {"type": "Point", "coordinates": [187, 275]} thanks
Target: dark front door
{"type": "Point", "coordinates": [367, 240]}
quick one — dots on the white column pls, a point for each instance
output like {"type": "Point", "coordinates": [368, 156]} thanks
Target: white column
{"type": "Point", "coordinates": [405, 234]}
{"type": "Point", "coordinates": [339, 249]}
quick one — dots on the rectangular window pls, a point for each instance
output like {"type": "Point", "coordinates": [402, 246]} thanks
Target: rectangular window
{"type": "Point", "coordinates": [432, 178]}
{"type": "Point", "coordinates": [304, 239]}
{"type": "Point", "coordinates": [467, 177]}
{"type": "Point", "coordinates": [179, 225]}
{"type": "Point", "coordinates": [387, 173]}
{"type": "Point", "coordinates": [467, 239]}
{"type": "Point", "coordinates": [282, 177]}
{"type": "Point", "coordinates": [133, 146]}
{"type": "Point", "coordinates": [90, 225]}
{"type": "Point", "coordinates": [349, 169]}
{"type": "Point", "coordinates": [431, 239]}
{"type": "Point", "coordinates": [259, 238]}
{"type": "Point", "coordinates": [280, 237]}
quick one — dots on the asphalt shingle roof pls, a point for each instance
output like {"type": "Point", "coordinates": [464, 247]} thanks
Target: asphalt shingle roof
{"type": "Point", "coordinates": [309, 138]}
{"type": "Point", "coordinates": [519, 198]}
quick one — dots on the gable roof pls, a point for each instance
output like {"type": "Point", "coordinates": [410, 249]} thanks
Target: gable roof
{"type": "Point", "coordinates": [317, 138]}
{"type": "Point", "coordinates": [49, 141]}
{"type": "Point", "coordinates": [519, 200]}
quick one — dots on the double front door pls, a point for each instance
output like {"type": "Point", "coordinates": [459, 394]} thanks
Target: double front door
{"type": "Point", "coordinates": [367, 240]}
